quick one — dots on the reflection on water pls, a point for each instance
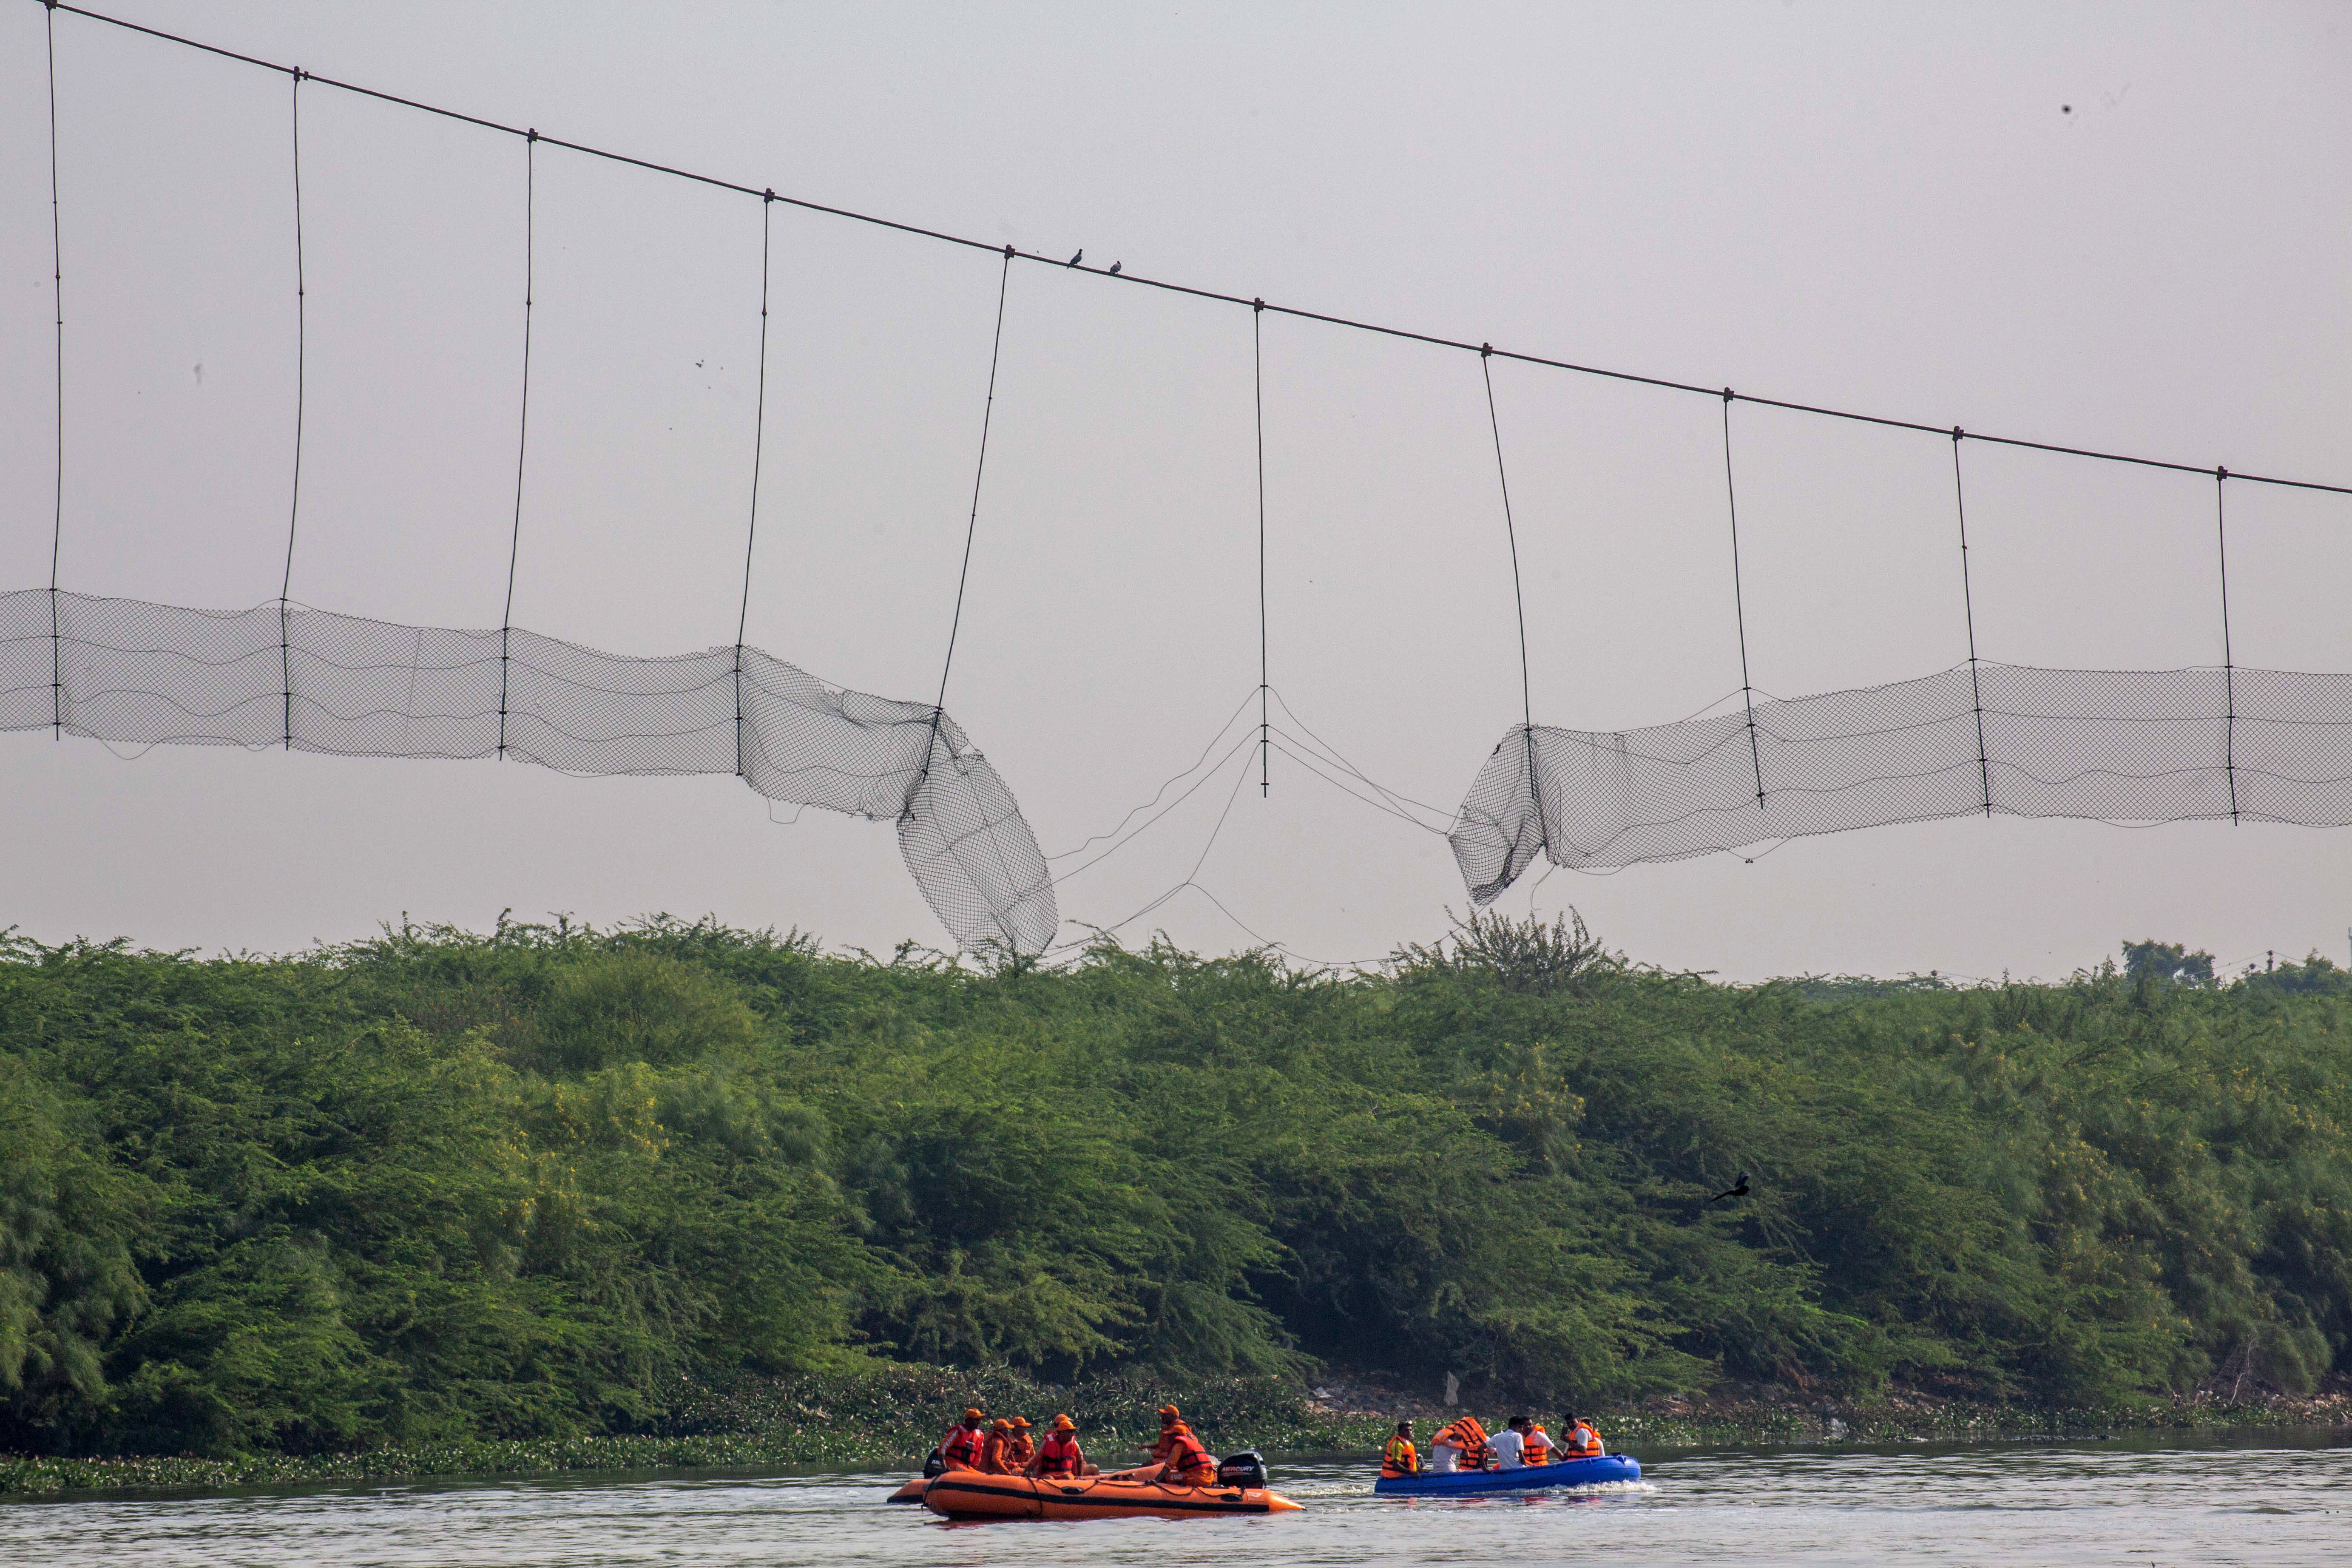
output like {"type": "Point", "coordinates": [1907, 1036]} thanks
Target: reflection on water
{"type": "Point", "coordinates": [2275, 1500]}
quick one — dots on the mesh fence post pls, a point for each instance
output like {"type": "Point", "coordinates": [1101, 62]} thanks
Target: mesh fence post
{"type": "Point", "coordinates": [522, 424]}
{"type": "Point", "coordinates": [294, 499]}
{"type": "Point", "coordinates": [759, 440]}
{"type": "Point", "coordinates": [58, 300]}
{"type": "Point", "coordinates": [1968, 607]}
{"type": "Point", "coordinates": [1738, 605]}
{"type": "Point", "coordinates": [2229, 669]}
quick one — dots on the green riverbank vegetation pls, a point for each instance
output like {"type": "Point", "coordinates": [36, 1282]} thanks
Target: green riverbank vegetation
{"type": "Point", "coordinates": [684, 1194]}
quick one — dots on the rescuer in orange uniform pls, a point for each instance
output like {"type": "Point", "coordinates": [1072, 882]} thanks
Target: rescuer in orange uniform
{"type": "Point", "coordinates": [965, 1443]}
{"type": "Point", "coordinates": [997, 1455]}
{"type": "Point", "coordinates": [1021, 1449]}
{"type": "Point", "coordinates": [1059, 1455]}
{"type": "Point", "coordinates": [1399, 1458]}
{"type": "Point", "coordinates": [1183, 1459]}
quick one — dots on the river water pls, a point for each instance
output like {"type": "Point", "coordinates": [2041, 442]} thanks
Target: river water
{"type": "Point", "coordinates": [2267, 1500]}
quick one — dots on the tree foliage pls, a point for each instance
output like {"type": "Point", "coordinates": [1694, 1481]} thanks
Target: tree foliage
{"type": "Point", "coordinates": [548, 1179]}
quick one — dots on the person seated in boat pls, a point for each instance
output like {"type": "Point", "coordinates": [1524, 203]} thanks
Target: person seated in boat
{"type": "Point", "coordinates": [1458, 1445]}
{"type": "Point", "coordinates": [1059, 1454]}
{"type": "Point", "coordinates": [1444, 1451]}
{"type": "Point", "coordinates": [1021, 1449]}
{"type": "Point", "coordinates": [1535, 1444]}
{"type": "Point", "coordinates": [1183, 1461]}
{"type": "Point", "coordinates": [1582, 1441]}
{"type": "Point", "coordinates": [997, 1455]}
{"type": "Point", "coordinates": [965, 1443]}
{"type": "Point", "coordinates": [1508, 1442]}
{"type": "Point", "coordinates": [1400, 1458]}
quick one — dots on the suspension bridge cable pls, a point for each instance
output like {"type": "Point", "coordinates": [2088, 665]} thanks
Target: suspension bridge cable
{"type": "Point", "coordinates": [759, 438]}
{"type": "Point", "coordinates": [57, 299]}
{"type": "Point", "coordinates": [1257, 389]}
{"type": "Point", "coordinates": [301, 368]}
{"type": "Point", "coordinates": [1518, 597]}
{"type": "Point", "coordinates": [1738, 608]}
{"type": "Point", "coordinates": [1969, 608]}
{"type": "Point", "coordinates": [1240, 748]}
{"type": "Point", "coordinates": [971, 527]}
{"type": "Point", "coordinates": [1172, 782]}
{"type": "Point", "coordinates": [2229, 671]}
{"type": "Point", "coordinates": [522, 424]}
{"type": "Point", "coordinates": [1296, 312]}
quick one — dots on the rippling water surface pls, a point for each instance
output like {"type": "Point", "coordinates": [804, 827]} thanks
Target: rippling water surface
{"type": "Point", "coordinates": [2268, 1500]}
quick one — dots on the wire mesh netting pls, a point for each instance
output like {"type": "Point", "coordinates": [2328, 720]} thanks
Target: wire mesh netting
{"type": "Point", "coordinates": [134, 673]}
{"type": "Point", "coordinates": [2111, 745]}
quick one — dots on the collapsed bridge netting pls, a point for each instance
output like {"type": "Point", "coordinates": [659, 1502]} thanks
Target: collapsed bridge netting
{"type": "Point", "coordinates": [2125, 746]}
{"type": "Point", "coordinates": [134, 673]}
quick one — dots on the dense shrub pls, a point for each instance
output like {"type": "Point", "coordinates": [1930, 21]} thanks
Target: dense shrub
{"type": "Point", "coordinates": [442, 1186]}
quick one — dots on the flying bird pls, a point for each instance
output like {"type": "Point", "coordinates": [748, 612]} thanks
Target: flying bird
{"type": "Point", "coordinates": [1737, 1189]}
{"type": "Point", "coordinates": [1073, 260]}
{"type": "Point", "coordinates": [1114, 266]}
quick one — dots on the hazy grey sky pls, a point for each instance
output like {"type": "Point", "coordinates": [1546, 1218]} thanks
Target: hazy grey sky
{"type": "Point", "coordinates": [1873, 206]}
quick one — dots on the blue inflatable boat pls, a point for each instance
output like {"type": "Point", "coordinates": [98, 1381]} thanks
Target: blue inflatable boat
{"type": "Point", "coordinates": [1526, 1478]}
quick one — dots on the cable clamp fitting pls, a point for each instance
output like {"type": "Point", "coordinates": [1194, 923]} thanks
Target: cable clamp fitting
{"type": "Point", "coordinates": [2220, 474]}
{"type": "Point", "coordinates": [1958, 435]}
{"type": "Point", "coordinates": [301, 75]}
{"type": "Point", "coordinates": [1257, 305]}
{"type": "Point", "coordinates": [1485, 351]}
{"type": "Point", "coordinates": [769, 195]}
{"type": "Point", "coordinates": [1009, 253]}
{"type": "Point", "coordinates": [531, 134]}
{"type": "Point", "coordinates": [1728, 394]}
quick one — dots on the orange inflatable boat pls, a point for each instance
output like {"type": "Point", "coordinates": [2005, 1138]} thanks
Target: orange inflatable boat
{"type": "Point", "coordinates": [969, 1494]}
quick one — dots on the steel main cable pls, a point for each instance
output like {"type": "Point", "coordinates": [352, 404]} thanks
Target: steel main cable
{"type": "Point", "coordinates": [1122, 275]}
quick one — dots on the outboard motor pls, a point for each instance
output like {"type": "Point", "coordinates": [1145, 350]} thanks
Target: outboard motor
{"type": "Point", "coordinates": [1247, 1469]}
{"type": "Point", "coordinates": [934, 1465]}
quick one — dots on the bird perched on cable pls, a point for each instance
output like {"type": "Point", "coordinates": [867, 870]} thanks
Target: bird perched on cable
{"type": "Point", "coordinates": [1738, 1189]}
{"type": "Point", "coordinates": [1073, 260]}
{"type": "Point", "coordinates": [1114, 266]}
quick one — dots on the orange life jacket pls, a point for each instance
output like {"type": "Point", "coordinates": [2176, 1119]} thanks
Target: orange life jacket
{"type": "Point", "coordinates": [1471, 1438]}
{"type": "Point", "coordinates": [962, 1446]}
{"type": "Point", "coordinates": [1536, 1448]}
{"type": "Point", "coordinates": [994, 1458]}
{"type": "Point", "coordinates": [1019, 1450]}
{"type": "Point", "coordinates": [1582, 1442]}
{"type": "Point", "coordinates": [1186, 1459]}
{"type": "Point", "coordinates": [1058, 1455]}
{"type": "Point", "coordinates": [1399, 1458]}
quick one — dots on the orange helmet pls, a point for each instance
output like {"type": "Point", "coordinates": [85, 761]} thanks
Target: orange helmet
{"type": "Point", "coordinates": [1064, 1424]}
{"type": "Point", "coordinates": [1170, 1415]}
{"type": "Point", "coordinates": [974, 1416]}
{"type": "Point", "coordinates": [1022, 1422]}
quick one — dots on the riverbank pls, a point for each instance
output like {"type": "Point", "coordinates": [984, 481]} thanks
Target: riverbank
{"type": "Point", "coordinates": [893, 1415]}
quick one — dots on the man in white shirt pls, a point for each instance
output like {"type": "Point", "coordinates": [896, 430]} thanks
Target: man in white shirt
{"type": "Point", "coordinates": [1444, 1453]}
{"type": "Point", "coordinates": [1508, 1442]}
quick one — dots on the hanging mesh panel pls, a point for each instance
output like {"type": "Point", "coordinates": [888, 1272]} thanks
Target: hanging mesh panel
{"type": "Point", "coordinates": [141, 674]}
{"type": "Point", "coordinates": [2110, 745]}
